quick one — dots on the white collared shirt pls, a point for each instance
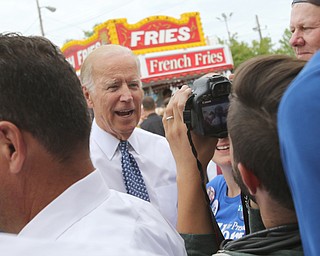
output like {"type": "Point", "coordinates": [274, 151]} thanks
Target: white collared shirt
{"type": "Point", "coordinates": [155, 161]}
{"type": "Point", "coordinates": [12, 245]}
{"type": "Point", "coordinates": [90, 211]}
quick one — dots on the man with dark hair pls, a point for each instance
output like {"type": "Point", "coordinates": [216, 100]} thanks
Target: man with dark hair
{"type": "Point", "coordinates": [152, 122]}
{"type": "Point", "coordinates": [305, 28]}
{"type": "Point", "coordinates": [49, 188]}
{"type": "Point", "coordinates": [257, 167]}
{"type": "Point", "coordinates": [165, 95]}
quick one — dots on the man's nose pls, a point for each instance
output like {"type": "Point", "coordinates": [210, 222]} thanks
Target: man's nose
{"type": "Point", "coordinates": [126, 94]}
{"type": "Point", "coordinates": [296, 39]}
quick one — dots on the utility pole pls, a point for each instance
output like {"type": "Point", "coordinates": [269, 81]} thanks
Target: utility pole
{"type": "Point", "coordinates": [208, 40]}
{"type": "Point", "coordinates": [50, 8]}
{"type": "Point", "coordinates": [40, 18]}
{"type": "Point", "coordinates": [225, 19]}
{"type": "Point", "coordinates": [258, 28]}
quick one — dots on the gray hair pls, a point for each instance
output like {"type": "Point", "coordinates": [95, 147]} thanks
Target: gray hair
{"type": "Point", "coordinates": [86, 77]}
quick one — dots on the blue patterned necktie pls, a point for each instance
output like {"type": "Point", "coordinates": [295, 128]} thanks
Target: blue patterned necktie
{"type": "Point", "coordinates": [133, 179]}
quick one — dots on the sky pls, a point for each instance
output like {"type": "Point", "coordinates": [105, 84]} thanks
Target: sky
{"type": "Point", "coordinates": [72, 17]}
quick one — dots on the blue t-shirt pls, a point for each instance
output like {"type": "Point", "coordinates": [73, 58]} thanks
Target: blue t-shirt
{"type": "Point", "coordinates": [299, 137]}
{"type": "Point", "coordinates": [227, 210]}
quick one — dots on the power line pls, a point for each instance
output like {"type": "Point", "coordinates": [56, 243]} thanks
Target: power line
{"type": "Point", "coordinates": [26, 30]}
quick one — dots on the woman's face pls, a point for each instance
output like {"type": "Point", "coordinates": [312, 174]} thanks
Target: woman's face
{"type": "Point", "coordinates": [222, 153]}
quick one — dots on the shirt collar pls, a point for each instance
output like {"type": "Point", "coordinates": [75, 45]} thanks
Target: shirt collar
{"type": "Point", "coordinates": [109, 144]}
{"type": "Point", "coordinates": [72, 205]}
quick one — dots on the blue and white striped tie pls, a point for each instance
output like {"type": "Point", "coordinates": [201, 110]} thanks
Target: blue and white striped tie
{"type": "Point", "coordinates": [131, 174]}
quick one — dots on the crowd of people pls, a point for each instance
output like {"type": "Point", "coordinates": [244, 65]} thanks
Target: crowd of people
{"type": "Point", "coordinates": [75, 182]}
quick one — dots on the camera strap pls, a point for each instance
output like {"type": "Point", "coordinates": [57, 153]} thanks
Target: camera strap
{"type": "Point", "coordinates": [245, 206]}
{"type": "Point", "coordinates": [187, 119]}
{"type": "Point", "coordinates": [218, 233]}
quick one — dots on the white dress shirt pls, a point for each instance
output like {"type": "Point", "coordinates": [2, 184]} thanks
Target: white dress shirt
{"type": "Point", "coordinates": [90, 211]}
{"type": "Point", "coordinates": [11, 245]}
{"type": "Point", "coordinates": [154, 158]}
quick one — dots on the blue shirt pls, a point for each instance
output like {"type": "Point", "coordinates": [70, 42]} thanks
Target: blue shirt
{"type": "Point", "coordinates": [299, 137]}
{"type": "Point", "coordinates": [227, 210]}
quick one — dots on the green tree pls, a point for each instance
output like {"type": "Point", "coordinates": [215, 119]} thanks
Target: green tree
{"type": "Point", "coordinates": [264, 47]}
{"type": "Point", "coordinates": [86, 33]}
{"type": "Point", "coordinates": [285, 47]}
{"type": "Point", "coordinates": [242, 51]}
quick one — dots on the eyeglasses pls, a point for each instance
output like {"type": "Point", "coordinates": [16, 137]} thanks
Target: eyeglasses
{"type": "Point", "coordinates": [315, 2]}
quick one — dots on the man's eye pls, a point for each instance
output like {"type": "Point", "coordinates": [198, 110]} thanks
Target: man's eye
{"type": "Point", "coordinates": [305, 28]}
{"type": "Point", "coordinates": [133, 85]}
{"type": "Point", "coordinates": [112, 87]}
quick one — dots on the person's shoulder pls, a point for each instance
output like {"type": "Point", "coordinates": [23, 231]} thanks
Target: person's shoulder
{"type": "Point", "coordinates": [145, 121]}
{"type": "Point", "coordinates": [133, 204]}
{"type": "Point", "coordinates": [127, 200]}
{"type": "Point", "coordinates": [217, 181]}
{"type": "Point", "coordinates": [147, 136]}
{"type": "Point", "coordinates": [212, 170]}
{"type": "Point", "coordinates": [150, 144]}
{"type": "Point", "coordinates": [141, 212]}
{"type": "Point", "coordinates": [11, 245]}
{"type": "Point", "coordinates": [155, 116]}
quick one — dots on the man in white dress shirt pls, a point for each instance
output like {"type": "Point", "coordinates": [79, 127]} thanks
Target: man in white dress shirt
{"type": "Point", "coordinates": [11, 245]}
{"type": "Point", "coordinates": [111, 83]}
{"type": "Point", "coordinates": [48, 186]}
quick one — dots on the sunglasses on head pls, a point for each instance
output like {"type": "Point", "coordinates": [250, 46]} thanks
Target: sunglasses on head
{"type": "Point", "coordinates": [315, 2]}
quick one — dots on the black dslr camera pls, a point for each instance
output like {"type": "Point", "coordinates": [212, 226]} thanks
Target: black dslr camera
{"type": "Point", "coordinates": [206, 109]}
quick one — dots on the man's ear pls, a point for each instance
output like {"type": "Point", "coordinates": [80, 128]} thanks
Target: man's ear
{"type": "Point", "coordinates": [249, 179]}
{"type": "Point", "coordinates": [87, 96]}
{"type": "Point", "coordinates": [12, 146]}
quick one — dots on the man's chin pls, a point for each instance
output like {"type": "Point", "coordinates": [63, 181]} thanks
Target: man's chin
{"type": "Point", "coordinates": [304, 56]}
{"type": "Point", "coordinates": [127, 131]}
{"type": "Point", "coordinates": [122, 132]}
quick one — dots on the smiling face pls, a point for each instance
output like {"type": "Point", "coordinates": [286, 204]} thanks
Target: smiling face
{"type": "Point", "coordinates": [222, 153]}
{"type": "Point", "coordinates": [117, 95]}
{"type": "Point", "coordinates": [305, 28]}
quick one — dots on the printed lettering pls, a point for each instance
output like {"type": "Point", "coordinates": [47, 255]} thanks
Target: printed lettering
{"type": "Point", "coordinates": [162, 36]}
{"type": "Point", "coordinates": [184, 34]}
{"type": "Point", "coordinates": [82, 54]}
{"type": "Point", "coordinates": [208, 58]}
{"type": "Point", "coordinates": [170, 35]}
{"type": "Point", "coordinates": [227, 230]}
{"type": "Point", "coordinates": [136, 37]}
{"type": "Point", "coordinates": [170, 65]}
{"type": "Point", "coordinates": [151, 38]}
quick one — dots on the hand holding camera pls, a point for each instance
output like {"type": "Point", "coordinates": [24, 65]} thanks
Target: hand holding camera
{"type": "Point", "coordinates": [206, 109]}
